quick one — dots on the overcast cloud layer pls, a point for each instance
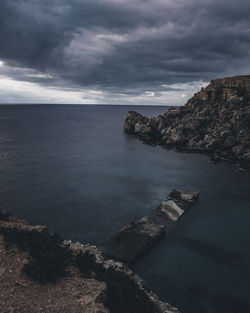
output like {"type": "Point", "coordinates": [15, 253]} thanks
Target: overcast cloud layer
{"type": "Point", "coordinates": [119, 51]}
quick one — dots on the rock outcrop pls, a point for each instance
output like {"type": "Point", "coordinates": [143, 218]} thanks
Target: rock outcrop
{"type": "Point", "coordinates": [40, 272]}
{"type": "Point", "coordinates": [215, 120]}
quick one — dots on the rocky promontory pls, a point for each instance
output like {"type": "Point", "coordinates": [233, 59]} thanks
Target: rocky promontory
{"type": "Point", "coordinates": [216, 120]}
{"type": "Point", "coordinates": [41, 272]}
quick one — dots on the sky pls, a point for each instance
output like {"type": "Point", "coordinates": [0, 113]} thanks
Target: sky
{"type": "Point", "coordinates": [155, 52]}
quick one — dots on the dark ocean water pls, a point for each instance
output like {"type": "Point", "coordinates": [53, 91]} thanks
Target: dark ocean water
{"type": "Point", "coordinates": [73, 169]}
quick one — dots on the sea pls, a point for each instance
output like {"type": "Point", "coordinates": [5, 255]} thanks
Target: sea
{"type": "Point", "coordinates": [73, 169]}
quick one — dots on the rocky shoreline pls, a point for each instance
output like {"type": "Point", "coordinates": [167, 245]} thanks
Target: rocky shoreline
{"type": "Point", "coordinates": [216, 121]}
{"type": "Point", "coordinates": [41, 272]}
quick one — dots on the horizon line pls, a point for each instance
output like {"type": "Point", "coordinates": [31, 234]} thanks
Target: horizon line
{"type": "Point", "coordinates": [90, 104]}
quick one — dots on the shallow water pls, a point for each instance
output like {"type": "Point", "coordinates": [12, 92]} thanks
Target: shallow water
{"type": "Point", "coordinates": [73, 169]}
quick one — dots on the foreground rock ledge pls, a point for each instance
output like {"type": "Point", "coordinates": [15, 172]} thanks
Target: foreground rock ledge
{"type": "Point", "coordinates": [215, 120]}
{"type": "Point", "coordinates": [80, 279]}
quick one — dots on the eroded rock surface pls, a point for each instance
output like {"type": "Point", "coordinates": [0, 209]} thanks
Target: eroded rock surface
{"type": "Point", "coordinates": [215, 120]}
{"type": "Point", "coordinates": [86, 282]}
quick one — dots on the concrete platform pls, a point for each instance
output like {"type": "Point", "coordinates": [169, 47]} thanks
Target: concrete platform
{"type": "Point", "coordinates": [134, 239]}
{"type": "Point", "coordinates": [177, 202]}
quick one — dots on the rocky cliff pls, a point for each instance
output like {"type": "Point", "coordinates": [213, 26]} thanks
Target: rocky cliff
{"type": "Point", "coordinates": [40, 272]}
{"type": "Point", "coordinates": [216, 120]}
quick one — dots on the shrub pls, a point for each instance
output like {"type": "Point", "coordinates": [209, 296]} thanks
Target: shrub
{"type": "Point", "coordinates": [48, 258]}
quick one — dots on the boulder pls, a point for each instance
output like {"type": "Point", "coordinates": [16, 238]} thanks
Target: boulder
{"type": "Point", "coordinates": [133, 119]}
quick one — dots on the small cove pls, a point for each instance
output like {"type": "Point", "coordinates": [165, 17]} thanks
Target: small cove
{"type": "Point", "coordinates": [73, 169]}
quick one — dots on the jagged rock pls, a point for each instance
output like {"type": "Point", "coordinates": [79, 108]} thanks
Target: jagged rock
{"type": "Point", "coordinates": [133, 122]}
{"type": "Point", "coordinates": [215, 120]}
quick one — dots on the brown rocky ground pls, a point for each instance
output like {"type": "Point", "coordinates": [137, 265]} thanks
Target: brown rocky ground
{"type": "Point", "coordinates": [84, 282]}
{"type": "Point", "coordinates": [20, 294]}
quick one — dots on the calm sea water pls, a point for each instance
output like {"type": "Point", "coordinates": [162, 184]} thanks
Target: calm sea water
{"type": "Point", "coordinates": [73, 169]}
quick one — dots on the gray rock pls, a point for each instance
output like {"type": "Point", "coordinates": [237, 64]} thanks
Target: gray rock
{"type": "Point", "coordinates": [133, 240]}
{"type": "Point", "coordinates": [171, 209]}
{"type": "Point", "coordinates": [132, 119]}
{"type": "Point", "coordinates": [184, 199]}
{"type": "Point", "coordinates": [215, 120]}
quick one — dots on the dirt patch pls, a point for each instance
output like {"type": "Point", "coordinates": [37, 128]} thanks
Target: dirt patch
{"type": "Point", "coordinates": [20, 294]}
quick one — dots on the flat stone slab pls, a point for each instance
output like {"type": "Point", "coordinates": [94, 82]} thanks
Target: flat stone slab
{"type": "Point", "coordinates": [133, 240]}
{"type": "Point", "coordinates": [171, 209]}
{"type": "Point", "coordinates": [137, 237]}
{"type": "Point", "coordinates": [183, 198]}
{"type": "Point", "coordinates": [178, 201]}
{"type": "Point", "coordinates": [158, 216]}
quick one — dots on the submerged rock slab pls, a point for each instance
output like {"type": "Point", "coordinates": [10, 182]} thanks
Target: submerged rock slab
{"type": "Point", "coordinates": [185, 199]}
{"type": "Point", "coordinates": [171, 209]}
{"type": "Point", "coordinates": [177, 203]}
{"type": "Point", "coordinates": [133, 240]}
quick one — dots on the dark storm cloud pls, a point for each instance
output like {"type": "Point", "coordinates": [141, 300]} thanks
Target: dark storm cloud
{"type": "Point", "coordinates": [120, 45]}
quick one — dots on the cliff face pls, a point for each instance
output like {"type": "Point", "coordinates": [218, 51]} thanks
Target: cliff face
{"type": "Point", "coordinates": [216, 120]}
{"type": "Point", "coordinates": [40, 272]}
{"type": "Point", "coordinates": [226, 90]}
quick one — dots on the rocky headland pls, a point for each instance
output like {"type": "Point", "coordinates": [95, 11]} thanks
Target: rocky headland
{"type": "Point", "coordinates": [216, 120]}
{"type": "Point", "coordinates": [41, 272]}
